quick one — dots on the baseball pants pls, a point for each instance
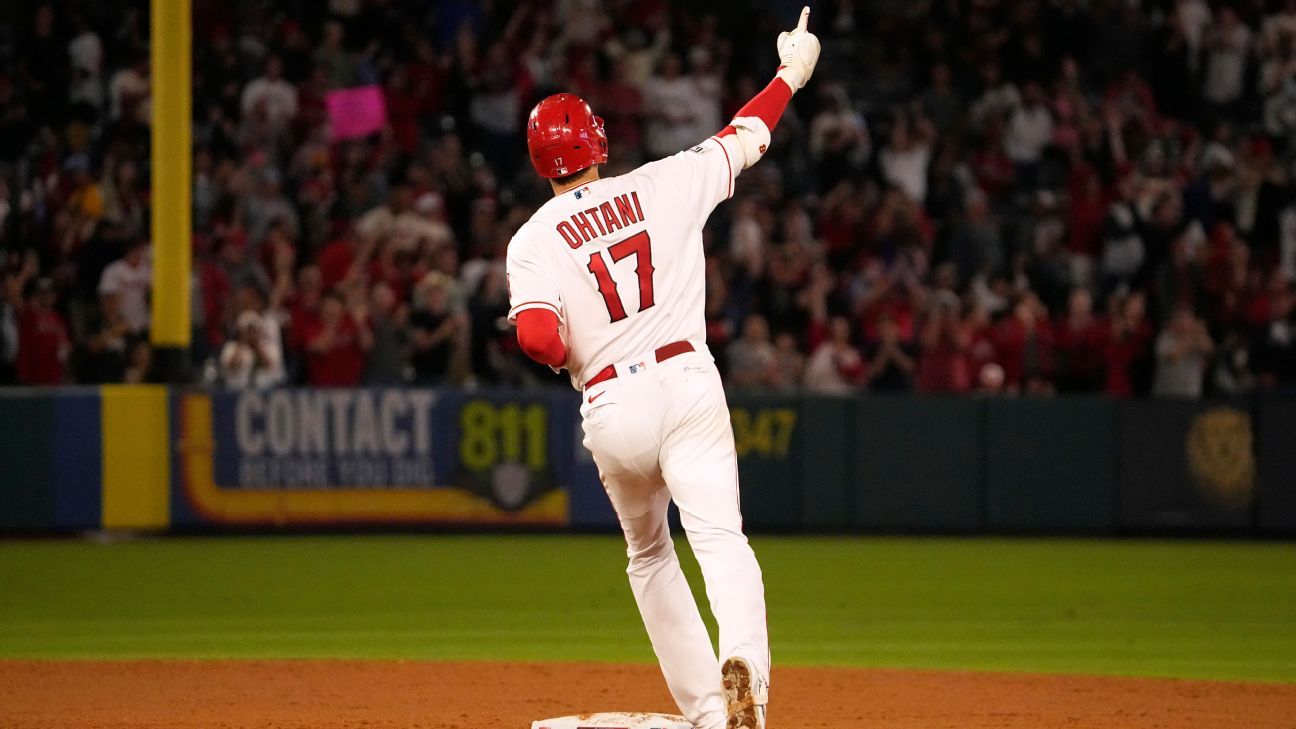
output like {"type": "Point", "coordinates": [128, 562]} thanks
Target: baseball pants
{"type": "Point", "coordinates": [661, 432]}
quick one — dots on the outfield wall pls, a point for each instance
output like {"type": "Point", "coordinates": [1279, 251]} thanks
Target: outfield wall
{"type": "Point", "coordinates": [149, 457]}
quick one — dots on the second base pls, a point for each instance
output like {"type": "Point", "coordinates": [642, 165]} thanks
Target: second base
{"type": "Point", "coordinates": [614, 720]}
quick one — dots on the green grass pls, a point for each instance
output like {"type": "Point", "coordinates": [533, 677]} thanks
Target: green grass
{"type": "Point", "coordinates": [1191, 609]}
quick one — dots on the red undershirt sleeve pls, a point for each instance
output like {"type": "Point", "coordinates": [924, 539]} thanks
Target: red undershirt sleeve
{"type": "Point", "coordinates": [537, 333]}
{"type": "Point", "coordinates": [768, 105]}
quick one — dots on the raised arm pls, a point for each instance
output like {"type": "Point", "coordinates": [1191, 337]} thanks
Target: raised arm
{"type": "Point", "coordinates": [748, 135]}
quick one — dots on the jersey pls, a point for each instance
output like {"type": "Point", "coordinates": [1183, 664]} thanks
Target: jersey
{"type": "Point", "coordinates": [620, 260]}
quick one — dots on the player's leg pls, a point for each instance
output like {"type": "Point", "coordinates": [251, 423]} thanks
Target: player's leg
{"type": "Point", "coordinates": [700, 467]}
{"type": "Point", "coordinates": [619, 435]}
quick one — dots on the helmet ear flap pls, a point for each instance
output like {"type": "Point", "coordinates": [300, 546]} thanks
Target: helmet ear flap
{"type": "Point", "coordinates": [601, 136]}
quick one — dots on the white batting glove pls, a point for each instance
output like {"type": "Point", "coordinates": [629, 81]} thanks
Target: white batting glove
{"type": "Point", "coordinates": [798, 53]}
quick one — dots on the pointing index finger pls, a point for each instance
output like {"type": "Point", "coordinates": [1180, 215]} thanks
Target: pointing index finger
{"type": "Point", "coordinates": [805, 18]}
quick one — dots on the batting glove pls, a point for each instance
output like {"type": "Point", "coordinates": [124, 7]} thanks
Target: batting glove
{"type": "Point", "coordinates": [798, 53]}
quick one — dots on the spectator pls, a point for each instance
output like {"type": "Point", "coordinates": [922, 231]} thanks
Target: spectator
{"type": "Point", "coordinates": [981, 348]}
{"type": "Point", "coordinates": [1085, 217]}
{"type": "Point", "coordinates": [42, 338]}
{"type": "Point", "coordinates": [1081, 340]}
{"type": "Point", "coordinates": [621, 101]}
{"type": "Point", "coordinates": [943, 366]}
{"type": "Point", "coordinates": [130, 279]}
{"type": "Point", "coordinates": [1123, 252]}
{"type": "Point", "coordinates": [491, 342]}
{"type": "Point", "coordinates": [708, 91]}
{"type": "Point", "coordinates": [789, 363]}
{"type": "Point", "coordinates": [1228, 47]}
{"type": "Point", "coordinates": [388, 319]}
{"type": "Point", "coordinates": [976, 246]}
{"type": "Point", "coordinates": [942, 104]}
{"type": "Point", "coordinates": [333, 56]}
{"type": "Point", "coordinates": [836, 367]}
{"type": "Point", "coordinates": [336, 344]}
{"type": "Point", "coordinates": [1182, 351]}
{"type": "Point", "coordinates": [400, 217]}
{"type": "Point", "coordinates": [436, 329]}
{"type": "Point", "coordinates": [84, 205]}
{"type": "Point", "coordinates": [751, 359]}
{"type": "Point", "coordinates": [103, 354]}
{"type": "Point", "coordinates": [891, 362]}
{"type": "Point", "coordinates": [237, 267]}
{"type": "Point", "coordinates": [1275, 347]}
{"type": "Point", "coordinates": [719, 320]}
{"type": "Point", "coordinates": [272, 96]}
{"type": "Point", "coordinates": [839, 138]}
{"type": "Point", "coordinates": [495, 108]}
{"type": "Point", "coordinates": [254, 357]}
{"type": "Point", "coordinates": [1128, 344]}
{"type": "Point", "coordinates": [243, 357]}
{"type": "Point", "coordinates": [122, 206]}
{"type": "Point", "coordinates": [670, 98]}
{"type": "Point", "coordinates": [998, 97]}
{"type": "Point", "coordinates": [85, 56]}
{"type": "Point", "coordinates": [303, 308]}
{"type": "Point", "coordinates": [1024, 347]}
{"type": "Point", "coordinates": [128, 94]}
{"type": "Point", "coordinates": [905, 158]}
{"type": "Point", "coordinates": [958, 209]}
{"type": "Point", "coordinates": [1276, 83]}
{"type": "Point", "coordinates": [268, 207]}
{"type": "Point", "coordinates": [1229, 372]}
{"type": "Point", "coordinates": [11, 306]}
{"type": "Point", "coordinates": [1029, 131]}
{"type": "Point", "coordinates": [139, 364]}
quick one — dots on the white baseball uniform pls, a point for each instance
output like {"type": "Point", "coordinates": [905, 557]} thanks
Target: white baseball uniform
{"type": "Point", "coordinates": [620, 262]}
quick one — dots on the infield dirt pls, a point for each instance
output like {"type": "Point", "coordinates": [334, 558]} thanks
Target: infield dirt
{"type": "Point", "coordinates": [409, 695]}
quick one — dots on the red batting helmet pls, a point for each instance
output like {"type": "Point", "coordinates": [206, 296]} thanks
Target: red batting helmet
{"type": "Point", "coordinates": [564, 137]}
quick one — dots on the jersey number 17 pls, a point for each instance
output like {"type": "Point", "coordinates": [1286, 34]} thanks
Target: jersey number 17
{"type": "Point", "coordinates": [638, 245]}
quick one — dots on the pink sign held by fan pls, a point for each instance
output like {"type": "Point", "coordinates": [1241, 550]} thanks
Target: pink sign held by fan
{"type": "Point", "coordinates": [356, 112]}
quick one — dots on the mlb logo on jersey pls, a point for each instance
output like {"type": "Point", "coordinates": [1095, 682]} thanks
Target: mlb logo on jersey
{"type": "Point", "coordinates": [582, 192]}
{"type": "Point", "coordinates": [634, 368]}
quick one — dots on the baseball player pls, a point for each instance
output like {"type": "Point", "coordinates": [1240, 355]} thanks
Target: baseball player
{"type": "Point", "coordinates": [607, 280]}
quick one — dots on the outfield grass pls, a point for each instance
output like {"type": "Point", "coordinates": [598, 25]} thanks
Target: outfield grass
{"type": "Point", "coordinates": [1191, 609]}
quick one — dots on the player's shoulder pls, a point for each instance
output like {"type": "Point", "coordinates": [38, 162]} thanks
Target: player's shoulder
{"type": "Point", "coordinates": [527, 238]}
{"type": "Point", "coordinates": [672, 165]}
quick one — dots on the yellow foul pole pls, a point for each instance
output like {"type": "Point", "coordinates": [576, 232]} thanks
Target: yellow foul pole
{"type": "Point", "coordinates": [171, 61]}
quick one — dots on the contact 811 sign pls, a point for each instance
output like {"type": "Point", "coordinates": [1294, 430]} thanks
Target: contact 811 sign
{"type": "Point", "coordinates": [315, 438]}
{"type": "Point", "coordinates": [491, 434]}
{"type": "Point", "coordinates": [393, 454]}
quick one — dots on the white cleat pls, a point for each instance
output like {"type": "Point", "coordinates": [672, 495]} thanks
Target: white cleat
{"type": "Point", "coordinates": [745, 696]}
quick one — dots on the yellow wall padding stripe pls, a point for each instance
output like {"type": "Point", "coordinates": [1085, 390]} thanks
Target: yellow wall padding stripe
{"type": "Point", "coordinates": [136, 457]}
{"type": "Point", "coordinates": [172, 55]}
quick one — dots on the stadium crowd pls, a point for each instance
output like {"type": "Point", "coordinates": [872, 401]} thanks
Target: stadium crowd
{"type": "Point", "coordinates": [973, 195]}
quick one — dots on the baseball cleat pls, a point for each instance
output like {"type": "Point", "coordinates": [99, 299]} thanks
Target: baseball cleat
{"type": "Point", "coordinates": [744, 699]}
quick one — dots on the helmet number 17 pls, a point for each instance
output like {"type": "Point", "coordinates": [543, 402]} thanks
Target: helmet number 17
{"type": "Point", "coordinates": [638, 245]}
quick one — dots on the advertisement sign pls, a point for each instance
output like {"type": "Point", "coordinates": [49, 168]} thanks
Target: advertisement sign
{"type": "Point", "coordinates": [396, 455]}
{"type": "Point", "coordinates": [1187, 465]}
